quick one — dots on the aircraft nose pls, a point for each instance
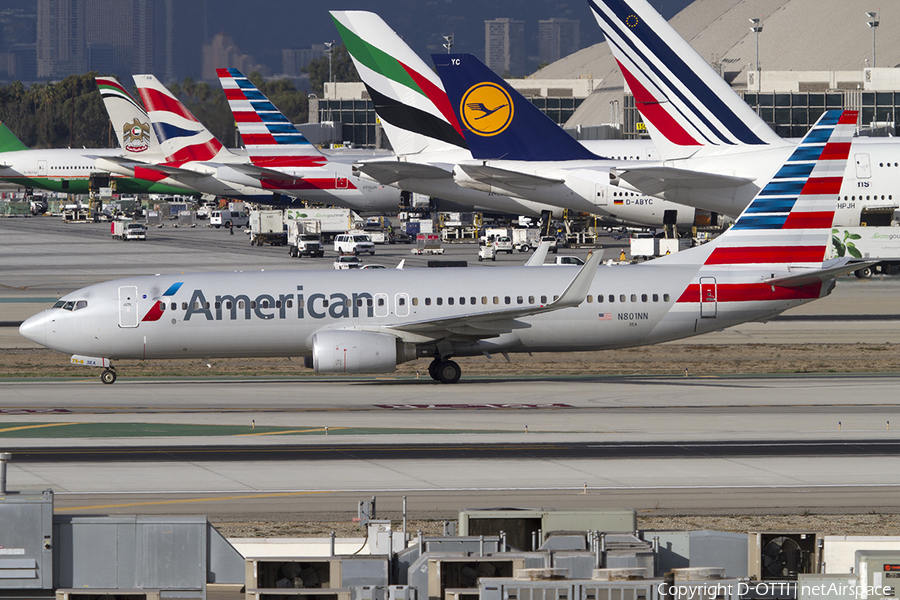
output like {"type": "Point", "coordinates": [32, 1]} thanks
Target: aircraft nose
{"type": "Point", "coordinates": [35, 328]}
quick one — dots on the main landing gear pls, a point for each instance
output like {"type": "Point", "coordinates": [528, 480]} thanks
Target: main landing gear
{"type": "Point", "coordinates": [445, 371]}
{"type": "Point", "coordinates": [108, 375]}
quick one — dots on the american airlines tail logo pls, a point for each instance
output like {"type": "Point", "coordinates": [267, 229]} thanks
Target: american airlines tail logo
{"type": "Point", "coordinates": [486, 109]}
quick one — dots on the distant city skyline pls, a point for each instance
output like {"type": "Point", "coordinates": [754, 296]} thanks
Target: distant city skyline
{"type": "Point", "coordinates": [167, 37]}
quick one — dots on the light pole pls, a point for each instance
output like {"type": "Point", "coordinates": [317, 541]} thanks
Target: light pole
{"type": "Point", "coordinates": [329, 49]}
{"type": "Point", "coordinates": [757, 27]}
{"type": "Point", "coordinates": [873, 24]}
{"type": "Point", "coordinates": [448, 42]}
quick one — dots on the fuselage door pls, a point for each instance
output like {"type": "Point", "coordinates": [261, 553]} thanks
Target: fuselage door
{"type": "Point", "coordinates": [708, 300]}
{"type": "Point", "coordinates": [128, 306]}
{"type": "Point", "coordinates": [401, 305]}
{"type": "Point", "coordinates": [381, 305]}
{"type": "Point", "coordinates": [863, 167]}
{"type": "Point", "coordinates": [600, 194]}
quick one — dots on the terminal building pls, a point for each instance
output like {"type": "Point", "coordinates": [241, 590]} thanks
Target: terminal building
{"type": "Point", "coordinates": [813, 55]}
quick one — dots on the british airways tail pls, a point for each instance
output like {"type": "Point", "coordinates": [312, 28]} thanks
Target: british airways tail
{"type": "Point", "coordinates": [409, 98]}
{"type": "Point", "coordinates": [269, 136]}
{"type": "Point", "coordinates": [685, 104]}
{"type": "Point", "coordinates": [500, 123]}
{"type": "Point", "coordinates": [130, 121]}
{"type": "Point", "coordinates": [182, 137]}
{"type": "Point", "coordinates": [787, 226]}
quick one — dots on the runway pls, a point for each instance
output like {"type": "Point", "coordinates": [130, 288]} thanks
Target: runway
{"type": "Point", "coordinates": [306, 448]}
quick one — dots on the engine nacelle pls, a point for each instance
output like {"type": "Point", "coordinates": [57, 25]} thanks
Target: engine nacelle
{"type": "Point", "coordinates": [351, 351]}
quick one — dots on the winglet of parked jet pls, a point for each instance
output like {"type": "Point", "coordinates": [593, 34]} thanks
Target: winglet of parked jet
{"type": "Point", "coordinates": [500, 123]}
{"type": "Point", "coordinates": [540, 254]}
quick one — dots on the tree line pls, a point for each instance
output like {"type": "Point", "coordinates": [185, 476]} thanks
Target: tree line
{"type": "Point", "coordinates": [70, 113]}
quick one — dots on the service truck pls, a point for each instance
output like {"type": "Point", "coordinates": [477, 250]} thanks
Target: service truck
{"type": "Point", "coordinates": [333, 221]}
{"type": "Point", "coordinates": [305, 239]}
{"type": "Point", "coordinates": [868, 244]}
{"type": "Point", "coordinates": [128, 230]}
{"type": "Point", "coordinates": [228, 218]}
{"type": "Point", "coordinates": [526, 240]}
{"type": "Point", "coordinates": [267, 227]}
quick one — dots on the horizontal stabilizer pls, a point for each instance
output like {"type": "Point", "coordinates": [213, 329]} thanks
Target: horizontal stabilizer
{"type": "Point", "coordinates": [506, 177]}
{"type": "Point", "coordinates": [392, 171]}
{"type": "Point", "coordinates": [261, 172]}
{"type": "Point", "coordinates": [656, 180]}
{"type": "Point", "coordinates": [830, 270]}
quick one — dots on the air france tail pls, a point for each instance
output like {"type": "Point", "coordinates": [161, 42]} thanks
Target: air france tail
{"type": "Point", "coordinates": [408, 96]}
{"type": "Point", "coordinates": [270, 138]}
{"type": "Point", "coordinates": [685, 104]}
{"type": "Point", "coordinates": [485, 105]}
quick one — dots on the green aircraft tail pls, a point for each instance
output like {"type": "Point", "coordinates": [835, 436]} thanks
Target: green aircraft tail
{"type": "Point", "coordinates": [8, 140]}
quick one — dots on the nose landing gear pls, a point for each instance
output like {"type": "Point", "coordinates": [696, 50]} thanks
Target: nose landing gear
{"type": "Point", "coordinates": [108, 375]}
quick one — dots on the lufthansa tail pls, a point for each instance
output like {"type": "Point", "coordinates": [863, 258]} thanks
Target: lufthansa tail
{"type": "Point", "coordinates": [500, 123]}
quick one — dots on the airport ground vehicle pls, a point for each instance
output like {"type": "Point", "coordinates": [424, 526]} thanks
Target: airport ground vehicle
{"type": "Point", "coordinates": [575, 261]}
{"type": "Point", "coordinates": [486, 252]}
{"type": "Point", "coordinates": [428, 243]}
{"type": "Point", "coordinates": [554, 242]}
{"type": "Point", "coordinates": [504, 243]}
{"type": "Point", "coordinates": [304, 238]}
{"type": "Point", "coordinates": [346, 262]}
{"type": "Point", "coordinates": [333, 221]}
{"type": "Point", "coordinates": [228, 218]}
{"type": "Point", "coordinates": [526, 240]}
{"type": "Point", "coordinates": [354, 243]}
{"type": "Point", "coordinates": [267, 227]}
{"type": "Point", "coordinates": [128, 230]}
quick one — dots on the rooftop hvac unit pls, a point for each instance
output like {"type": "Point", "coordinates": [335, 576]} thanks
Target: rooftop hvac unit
{"type": "Point", "coordinates": [401, 592]}
{"type": "Point", "coordinates": [781, 556]}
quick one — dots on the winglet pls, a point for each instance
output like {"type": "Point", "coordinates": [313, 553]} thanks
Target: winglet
{"type": "Point", "coordinates": [580, 285]}
{"type": "Point", "coordinates": [540, 254]}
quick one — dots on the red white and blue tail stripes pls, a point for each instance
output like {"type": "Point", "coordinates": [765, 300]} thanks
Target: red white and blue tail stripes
{"type": "Point", "coordinates": [789, 221]}
{"type": "Point", "coordinates": [182, 137]}
{"type": "Point", "coordinates": [270, 138]}
{"type": "Point", "coordinates": [679, 95]}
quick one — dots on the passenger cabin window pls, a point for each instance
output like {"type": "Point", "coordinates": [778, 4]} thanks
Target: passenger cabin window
{"type": "Point", "coordinates": [543, 299]}
{"type": "Point", "coordinates": [401, 301]}
{"type": "Point", "coordinates": [440, 301]}
{"type": "Point", "coordinates": [621, 297]}
{"type": "Point", "coordinates": [590, 299]}
{"type": "Point", "coordinates": [473, 300]}
{"type": "Point", "coordinates": [656, 297]}
{"type": "Point", "coordinates": [415, 301]}
{"type": "Point", "coordinates": [665, 297]}
{"type": "Point", "coordinates": [427, 301]}
{"type": "Point", "coordinates": [184, 306]}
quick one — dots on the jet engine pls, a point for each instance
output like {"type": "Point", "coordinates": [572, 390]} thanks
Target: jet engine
{"type": "Point", "coordinates": [351, 351]}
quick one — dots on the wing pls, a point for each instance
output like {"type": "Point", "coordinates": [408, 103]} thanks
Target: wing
{"type": "Point", "coordinates": [392, 171]}
{"type": "Point", "coordinates": [653, 181]}
{"type": "Point", "coordinates": [505, 178]}
{"type": "Point", "coordinates": [492, 323]}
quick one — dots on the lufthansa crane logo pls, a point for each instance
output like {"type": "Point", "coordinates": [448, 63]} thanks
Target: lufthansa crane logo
{"type": "Point", "coordinates": [486, 109]}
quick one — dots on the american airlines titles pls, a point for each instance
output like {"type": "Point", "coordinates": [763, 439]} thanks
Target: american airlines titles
{"type": "Point", "coordinates": [267, 307]}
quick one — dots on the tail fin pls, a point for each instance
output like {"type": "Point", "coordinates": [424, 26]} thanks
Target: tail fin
{"type": "Point", "coordinates": [408, 96]}
{"type": "Point", "coordinates": [271, 139]}
{"type": "Point", "coordinates": [789, 222]}
{"type": "Point", "coordinates": [499, 122]}
{"type": "Point", "coordinates": [8, 140]}
{"type": "Point", "coordinates": [129, 120]}
{"type": "Point", "coordinates": [183, 138]}
{"type": "Point", "coordinates": [684, 102]}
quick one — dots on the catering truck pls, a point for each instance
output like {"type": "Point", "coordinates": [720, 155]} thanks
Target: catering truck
{"type": "Point", "coordinates": [333, 221]}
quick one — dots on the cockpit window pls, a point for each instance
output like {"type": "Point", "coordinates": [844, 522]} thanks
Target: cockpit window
{"type": "Point", "coordinates": [80, 304]}
{"type": "Point", "coordinates": [59, 304]}
{"type": "Point", "coordinates": [69, 305]}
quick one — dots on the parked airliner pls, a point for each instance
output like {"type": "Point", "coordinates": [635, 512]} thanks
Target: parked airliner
{"type": "Point", "coordinates": [772, 259]}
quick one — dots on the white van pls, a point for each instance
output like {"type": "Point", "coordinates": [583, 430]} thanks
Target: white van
{"type": "Point", "coordinates": [353, 243]}
{"type": "Point", "coordinates": [227, 218]}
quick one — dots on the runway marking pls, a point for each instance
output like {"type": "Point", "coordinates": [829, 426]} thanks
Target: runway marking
{"type": "Point", "coordinates": [191, 500]}
{"type": "Point", "coordinates": [311, 430]}
{"type": "Point", "coordinates": [36, 426]}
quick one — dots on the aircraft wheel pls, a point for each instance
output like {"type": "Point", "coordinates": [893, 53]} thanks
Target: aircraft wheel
{"type": "Point", "coordinates": [433, 367]}
{"type": "Point", "coordinates": [448, 372]}
{"type": "Point", "coordinates": [108, 376]}
{"type": "Point", "coordinates": [864, 273]}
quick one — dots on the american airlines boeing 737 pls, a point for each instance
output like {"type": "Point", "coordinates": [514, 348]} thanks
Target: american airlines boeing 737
{"type": "Point", "coordinates": [772, 259]}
